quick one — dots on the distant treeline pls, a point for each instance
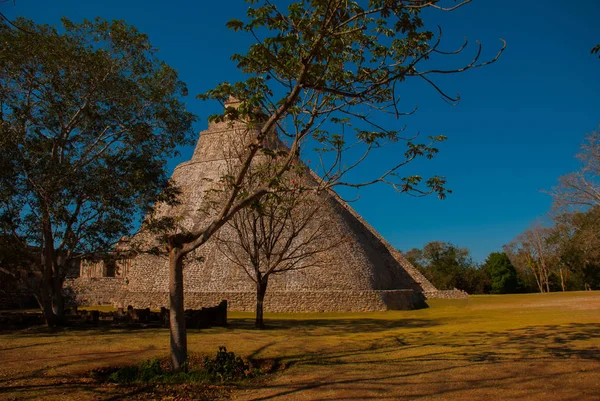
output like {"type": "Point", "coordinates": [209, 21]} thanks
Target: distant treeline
{"type": "Point", "coordinates": [448, 266]}
{"type": "Point", "coordinates": [562, 257]}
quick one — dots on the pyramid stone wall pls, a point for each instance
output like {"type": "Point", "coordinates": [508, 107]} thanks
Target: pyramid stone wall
{"type": "Point", "coordinates": [363, 273]}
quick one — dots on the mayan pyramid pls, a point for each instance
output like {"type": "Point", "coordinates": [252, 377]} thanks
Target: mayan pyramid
{"type": "Point", "coordinates": [364, 273]}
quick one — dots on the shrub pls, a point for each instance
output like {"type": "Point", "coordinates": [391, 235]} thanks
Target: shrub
{"type": "Point", "coordinates": [150, 370]}
{"type": "Point", "coordinates": [225, 366]}
{"type": "Point", "coordinates": [128, 374]}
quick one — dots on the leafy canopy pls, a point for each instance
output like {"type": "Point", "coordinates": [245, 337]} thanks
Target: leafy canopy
{"type": "Point", "coordinates": [89, 117]}
{"type": "Point", "coordinates": [503, 275]}
{"type": "Point", "coordinates": [324, 72]}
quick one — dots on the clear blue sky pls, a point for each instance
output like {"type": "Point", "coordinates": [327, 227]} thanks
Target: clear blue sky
{"type": "Point", "coordinates": [516, 130]}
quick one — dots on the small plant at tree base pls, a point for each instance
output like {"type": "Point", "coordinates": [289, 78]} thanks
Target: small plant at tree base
{"type": "Point", "coordinates": [226, 366]}
{"type": "Point", "coordinates": [150, 370]}
{"type": "Point", "coordinates": [128, 374]}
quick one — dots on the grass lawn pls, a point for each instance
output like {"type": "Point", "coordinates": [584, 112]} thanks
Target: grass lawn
{"type": "Point", "coordinates": [512, 347]}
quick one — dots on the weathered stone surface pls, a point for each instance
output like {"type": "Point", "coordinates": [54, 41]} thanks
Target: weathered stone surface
{"type": "Point", "coordinates": [446, 294]}
{"type": "Point", "coordinates": [291, 301]}
{"type": "Point", "coordinates": [97, 290]}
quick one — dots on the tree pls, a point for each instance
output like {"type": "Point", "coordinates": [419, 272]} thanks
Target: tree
{"type": "Point", "coordinates": [585, 246]}
{"type": "Point", "coordinates": [282, 232]}
{"type": "Point", "coordinates": [503, 275]}
{"type": "Point", "coordinates": [448, 267]}
{"type": "Point", "coordinates": [445, 262]}
{"type": "Point", "coordinates": [577, 242]}
{"type": "Point", "coordinates": [581, 189]}
{"type": "Point", "coordinates": [562, 240]}
{"type": "Point", "coordinates": [321, 71]}
{"type": "Point", "coordinates": [88, 119]}
{"type": "Point", "coordinates": [533, 252]}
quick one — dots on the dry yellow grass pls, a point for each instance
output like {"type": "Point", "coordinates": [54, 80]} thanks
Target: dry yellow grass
{"type": "Point", "coordinates": [517, 347]}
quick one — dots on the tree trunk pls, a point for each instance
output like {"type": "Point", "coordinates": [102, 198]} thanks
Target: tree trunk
{"type": "Point", "coordinates": [261, 289]}
{"type": "Point", "coordinates": [46, 298]}
{"type": "Point", "coordinates": [545, 275]}
{"type": "Point", "coordinates": [58, 300]}
{"type": "Point", "coordinates": [562, 278]}
{"type": "Point", "coordinates": [48, 274]}
{"type": "Point", "coordinates": [58, 305]}
{"type": "Point", "coordinates": [177, 312]}
{"type": "Point", "coordinates": [538, 280]}
{"type": "Point", "coordinates": [547, 281]}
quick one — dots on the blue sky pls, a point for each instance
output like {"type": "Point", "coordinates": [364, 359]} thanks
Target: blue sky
{"type": "Point", "coordinates": [515, 131]}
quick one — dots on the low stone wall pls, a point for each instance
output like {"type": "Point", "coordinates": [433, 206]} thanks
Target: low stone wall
{"type": "Point", "coordinates": [105, 291]}
{"type": "Point", "coordinates": [446, 294]}
{"type": "Point", "coordinates": [113, 291]}
{"type": "Point", "coordinates": [283, 301]}
{"type": "Point", "coordinates": [96, 290]}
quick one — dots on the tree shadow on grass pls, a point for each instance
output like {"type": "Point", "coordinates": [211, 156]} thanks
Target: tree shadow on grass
{"type": "Point", "coordinates": [306, 326]}
{"type": "Point", "coordinates": [379, 387]}
{"type": "Point", "coordinates": [418, 353]}
{"type": "Point", "coordinates": [62, 387]}
{"type": "Point", "coordinates": [318, 326]}
{"type": "Point", "coordinates": [57, 381]}
{"type": "Point", "coordinates": [449, 355]}
{"type": "Point", "coordinates": [72, 361]}
{"type": "Point", "coordinates": [103, 329]}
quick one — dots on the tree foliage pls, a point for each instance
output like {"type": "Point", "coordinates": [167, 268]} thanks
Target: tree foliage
{"type": "Point", "coordinates": [448, 267]}
{"type": "Point", "coordinates": [562, 256]}
{"type": "Point", "coordinates": [532, 253]}
{"type": "Point", "coordinates": [89, 117]}
{"type": "Point", "coordinates": [569, 245]}
{"type": "Point", "coordinates": [503, 275]}
{"type": "Point", "coordinates": [581, 189]}
{"type": "Point", "coordinates": [577, 240]}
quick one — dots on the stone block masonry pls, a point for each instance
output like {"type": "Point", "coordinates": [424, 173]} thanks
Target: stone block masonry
{"type": "Point", "coordinates": [287, 301]}
{"type": "Point", "coordinates": [97, 291]}
{"type": "Point", "coordinates": [113, 291]}
{"type": "Point", "coordinates": [446, 294]}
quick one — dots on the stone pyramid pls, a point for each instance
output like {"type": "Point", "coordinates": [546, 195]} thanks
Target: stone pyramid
{"type": "Point", "coordinates": [364, 273]}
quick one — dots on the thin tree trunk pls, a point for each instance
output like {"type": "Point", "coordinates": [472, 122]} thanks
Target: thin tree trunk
{"type": "Point", "coordinates": [261, 289]}
{"type": "Point", "coordinates": [562, 278]}
{"type": "Point", "coordinates": [47, 288]}
{"type": "Point", "coordinates": [48, 273]}
{"type": "Point", "coordinates": [544, 271]}
{"type": "Point", "coordinates": [177, 312]}
{"type": "Point", "coordinates": [533, 266]}
{"type": "Point", "coordinates": [547, 281]}
{"type": "Point", "coordinates": [538, 279]}
{"type": "Point", "coordinates": [58, 300]}
{"type": "Point", "coordinates": [46, 298]}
